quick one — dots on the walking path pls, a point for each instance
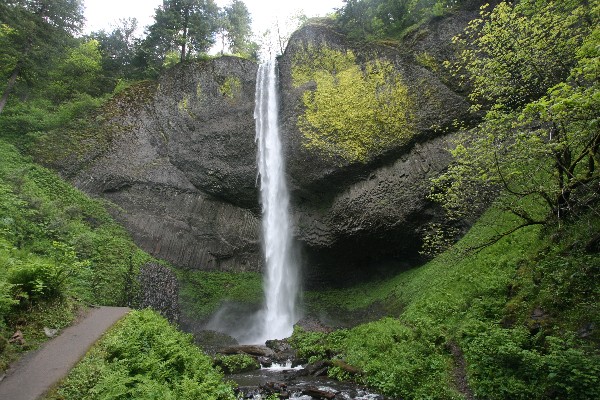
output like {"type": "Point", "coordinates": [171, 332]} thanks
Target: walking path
{"type": "Point", "coordinates": [38, 372]}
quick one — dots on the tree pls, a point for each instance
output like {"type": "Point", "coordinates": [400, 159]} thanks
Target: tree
{"type": "Point", "coordinates": [31, 32]}
{"type": "Point", "coordinates": [237, 20]}
{"type": "Point", "coordinates": [80, 71]}
{"type": "Point", "coordinates": [533, 68]}
{"type": "Point", "coordinates": [188, 26]}
{"type": "Point", "coordinates": [118, 49]}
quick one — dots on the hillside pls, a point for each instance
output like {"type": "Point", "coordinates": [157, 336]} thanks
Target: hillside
{"type": "Point", "coordinates": [443, 162]}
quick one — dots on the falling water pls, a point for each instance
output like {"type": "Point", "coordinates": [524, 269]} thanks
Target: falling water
{"type": "Point", "coordinates": [281, 277]}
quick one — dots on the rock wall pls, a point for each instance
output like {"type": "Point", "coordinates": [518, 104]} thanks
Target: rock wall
{"type": "Point", "coordinates": [179, 162]}
{"type": "Point", "coordinates": [355, 219]}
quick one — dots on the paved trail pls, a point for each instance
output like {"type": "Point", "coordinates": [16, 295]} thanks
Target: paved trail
{"type": "Point", "coordinates": [38, 372]}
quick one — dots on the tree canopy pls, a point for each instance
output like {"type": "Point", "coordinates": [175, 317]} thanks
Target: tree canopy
{"type": "Point", "coordinates": [184, 26]}
{"type": "Point", "coordinates": [32, 32]}
{"type": "Point", "coordinates": [236, 21]}
{"type": "Point", "coordinates": [533, 68]}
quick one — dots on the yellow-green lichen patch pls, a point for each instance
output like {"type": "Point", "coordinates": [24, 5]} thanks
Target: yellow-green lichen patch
{"type": "Point", "coordinates": [231, 88]}
{"type": "Point", "coordinates": [184, 105]}
{"type": "Point", "coordinates": [354, 112]}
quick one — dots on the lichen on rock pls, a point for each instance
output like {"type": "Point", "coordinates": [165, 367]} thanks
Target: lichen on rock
{"type": "Point", "coordinates": [353, 111]}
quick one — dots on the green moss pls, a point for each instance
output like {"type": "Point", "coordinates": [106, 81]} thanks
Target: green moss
{"type": "Point", "coordinates": [231, 88]}
{"type": "Point", "coordinates": [203, 292]}
{"type": "Point", "coordinates": [353, 113]}
{"type": "Point", "coordinates": [184, 104]}
{"type": "Point", "coordinates": [427, 60]}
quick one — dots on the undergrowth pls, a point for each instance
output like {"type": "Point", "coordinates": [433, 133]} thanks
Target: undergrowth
{"type": "Point", "coordinates": [524, 311]}
{"type": "Point", "coordinates": [58, 249]}
{"type": "Point", "coordinates": [144, 357]}
{"type": "Point", "coordinates": [203, 292]}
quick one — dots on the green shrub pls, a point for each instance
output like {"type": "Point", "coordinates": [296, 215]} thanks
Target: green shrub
{"type": "Point", "coordinates": [144, 357]}
{"type": "Point", "coordinates": [236, 363]}
{"type": "Point", "coordinates": [508, 363]}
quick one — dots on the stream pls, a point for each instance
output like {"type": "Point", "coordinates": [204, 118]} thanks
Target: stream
{"type": "Point", "coordinates": [294, 383]}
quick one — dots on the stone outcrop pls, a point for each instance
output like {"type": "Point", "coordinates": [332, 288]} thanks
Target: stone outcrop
{"type": "Point", "coordinates": [177, 159]}
{"type": "Point", "coordinates": [179, 162]}
{"type": "Point", "coordinates": [354, 218]}
{"type": "Point", "coordinates": [159, 290]}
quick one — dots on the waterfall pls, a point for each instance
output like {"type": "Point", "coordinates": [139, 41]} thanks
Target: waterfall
{"type": "Point", "coordinates": [281, 275]}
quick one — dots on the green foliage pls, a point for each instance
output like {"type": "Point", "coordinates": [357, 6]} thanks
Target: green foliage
{"type": "Point", "coordinates": [57, 240]}
{"type": "Point", "coordinates": [379, 19]}
{"type": "Point", "coordinates": [203, 292]}
{"type": "Point", "coordinates": [484, 303]}
{"type": "Point", "coordinates": [79, 72]}
{"type": "Point", "coordinates": [45, 279]}
{"type": "Point", "coordinates": [143, 357]}
{"type": "Point", "coordinates": [32, 34]}
{"type": "Point", "coordinates": [395, 359]}
{"type": "Point", "coordinates": [235, 27]}
{"type": "Point", "coordinates": [507, 363]}
{"type": "Point", "coordinates": [186, 27]}
{"type": "Point", "coordinates": [118, 50]}
{"type": "Point", "coordinates": [236, 363]}
{"type": "Point", "coordinates": [352, 113]}
{"type": "Point", "coordinates": [311, 346]}
{"type": "Point", "coordinates": [512, 54]}
{"type": "Point", "coordinates": [534, 67]}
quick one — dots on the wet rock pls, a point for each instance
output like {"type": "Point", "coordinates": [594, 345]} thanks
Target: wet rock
{"type": "Point", "coordinates": [265, 361]}
{"type": "Point", "coordinates": [318, 368]}
{"type": "Point", "coordinates": [586, 331]}
{"type": "Point", "coordinates": [159, 290]}
{"type": "Point", "coordinates": [283, 351]}
{"type": "Point", "coordinates": [311, 324]}
{"type": "Point", "coordinates": [318, 394]}
{"type": "Point", "coordinates": [278, 346]}
{"type": "Point", "coordinates": [253, 350]}
{"type": "Point", "coordinates": [212, 341]}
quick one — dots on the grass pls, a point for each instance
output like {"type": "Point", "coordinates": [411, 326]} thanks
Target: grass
{"type": "Point", "coordinates": [516, 309]}
{"type": "Point", "coordinates": [59, 249]}
{"type": "Point", "coordinates": [144, 357]}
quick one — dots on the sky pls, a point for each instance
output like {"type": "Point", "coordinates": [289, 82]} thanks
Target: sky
{"type": "Point", "coordinates": [102, 14]}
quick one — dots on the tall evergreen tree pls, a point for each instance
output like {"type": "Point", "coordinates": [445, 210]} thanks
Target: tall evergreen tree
{"type": "Point", "coordinates": [31, 31]}
{"type": "Point", "coordinates": [238, 20]}
{"type": "Point", "coordinates": [187, 26]}
{"type": "Point", "coordinates": [118, 49]}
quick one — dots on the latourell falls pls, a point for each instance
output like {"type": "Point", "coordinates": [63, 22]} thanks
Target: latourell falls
{"type": "Point", "coordinates": [400, 200]}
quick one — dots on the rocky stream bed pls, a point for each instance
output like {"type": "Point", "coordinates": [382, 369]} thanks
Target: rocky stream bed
{"type": "Point", "coordinates": [281, 373]}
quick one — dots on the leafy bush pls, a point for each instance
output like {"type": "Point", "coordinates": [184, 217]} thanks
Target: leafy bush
{"type": "Point", "coordinates": [507, 363]}
{"type": "Point", "coordinates": [311, 346]}
{"type": "Point", "coordinates": [235, 363]}
{"type": "Point", "coordinates": [57, 237]}
{"type": "Point", "coordinates": [143, 357]}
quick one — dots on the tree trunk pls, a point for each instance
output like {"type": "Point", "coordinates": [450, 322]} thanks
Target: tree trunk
{"type": "Point", "coordinates": [9, 87]}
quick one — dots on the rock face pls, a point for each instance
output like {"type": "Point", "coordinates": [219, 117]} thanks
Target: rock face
{"type": "Point", "coordinates": [178, 161]}
{"type": "Point", "coordinates": [355, 218]}
{"type": "Point", "coordinates": [180, 164]}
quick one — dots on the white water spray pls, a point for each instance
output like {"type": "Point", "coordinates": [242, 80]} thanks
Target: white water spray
{"type": "Point", "coordinates": [281, 275]}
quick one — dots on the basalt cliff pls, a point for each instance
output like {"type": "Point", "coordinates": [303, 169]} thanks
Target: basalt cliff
{"type": "Point", "coordinates": [176, 159]}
